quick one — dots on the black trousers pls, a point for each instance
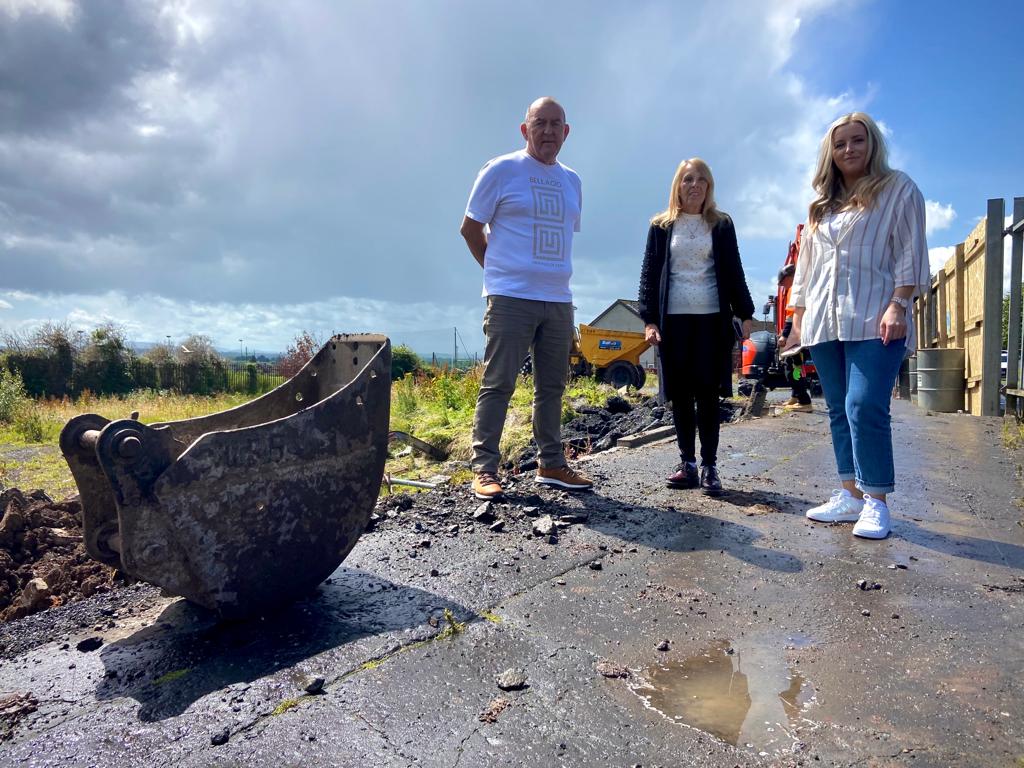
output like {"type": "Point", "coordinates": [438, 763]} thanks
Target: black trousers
{"type": "Point", "coordinates": [800, 389]}
{"type": "Point", "coordinates": [690, 351]}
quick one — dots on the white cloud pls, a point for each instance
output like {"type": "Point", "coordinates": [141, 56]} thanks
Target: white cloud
{"type": "Point", "coordinates": [276, 168]}
{"type": "Point", "coordinates": [937, 257]}
{"type": "Point", "coordinates": [62, 10]}
{"type": "Point", "coordinates": [426, 326]}
{"type": "Point", "coordinates": [937, 216]}
{"type": "Point", "coordinates": [770, 206]}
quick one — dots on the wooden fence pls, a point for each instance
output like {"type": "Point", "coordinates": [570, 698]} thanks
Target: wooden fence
{"type": "Point", "coordinates": [963, 308]}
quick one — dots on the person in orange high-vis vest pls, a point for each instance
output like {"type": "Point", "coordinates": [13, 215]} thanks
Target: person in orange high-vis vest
{"type": "Point", "coordinates": [800, 397]}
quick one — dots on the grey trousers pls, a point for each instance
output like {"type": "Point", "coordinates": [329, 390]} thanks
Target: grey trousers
{"type": "Point", "coordinates": [512, 328]}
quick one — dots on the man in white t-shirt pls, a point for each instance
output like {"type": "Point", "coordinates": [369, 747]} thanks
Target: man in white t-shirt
{"type": "Point", "coordinates": [520, 219]}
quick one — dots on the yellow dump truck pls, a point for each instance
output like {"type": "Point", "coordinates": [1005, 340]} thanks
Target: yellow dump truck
{"type": "Point", "coordinates": [611, 356]}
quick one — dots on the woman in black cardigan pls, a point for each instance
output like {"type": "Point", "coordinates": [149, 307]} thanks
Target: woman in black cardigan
{"type": "Point", "coordinates": [691, 287]}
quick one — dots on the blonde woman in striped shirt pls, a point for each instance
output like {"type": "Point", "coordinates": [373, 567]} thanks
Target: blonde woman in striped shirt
{"type": "Point", "coordinates": [862, 259]}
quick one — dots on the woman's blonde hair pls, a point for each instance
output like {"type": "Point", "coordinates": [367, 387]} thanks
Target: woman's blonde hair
{"type": "Point", "coordinates": [710, 213]}
{"type": "Point", "coordinates": [828, 180]}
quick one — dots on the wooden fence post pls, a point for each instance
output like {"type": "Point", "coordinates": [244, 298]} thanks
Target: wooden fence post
{"type": "Point", "coordinates": [918, 314]}
{"type": "Point", "coordinates": [1013, 331]}
{"type": "Point", "coordinates": [942, 305]}
{"type": "Point", "coordinates": [961, 301]}
{"type": "Point", "coordinates": [992, 313]}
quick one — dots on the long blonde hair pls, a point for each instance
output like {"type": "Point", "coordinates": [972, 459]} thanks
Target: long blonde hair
{"type": "Point", "coordinates": [710, 213]}
{"type": "Point", "coordinates": [828, 181]}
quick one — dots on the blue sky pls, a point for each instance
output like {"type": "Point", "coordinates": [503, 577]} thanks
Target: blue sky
{"type": "Point", "coordinates": [249, 170]}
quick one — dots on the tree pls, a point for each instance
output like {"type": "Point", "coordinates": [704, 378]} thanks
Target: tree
{"type": "Point", "coordinates": [403, 361]}
{"type": "Point", "coordinates": [157, 369]}
{"type": "Point", "coordinates": [106, 362]}
{"type": "Point", "coordinates": [1006, 318]}
{"type": "Point", "coordinates": [197, 347]}
{"type": "Point", "coordinates": [159, 354]}
{"type": "Point", "coordinates": [298, 353]}
{"type": "Point", "coordinates": [203, 369]}
{"type": "Point", "coordinates": [44, 358]}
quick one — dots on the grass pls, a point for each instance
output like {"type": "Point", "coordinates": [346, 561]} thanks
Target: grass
{"type": "Point", "coordinates": [44, 468]}
{"type": "Point", "coordinates": [170, 677]}
{"type": "Point", "coordinates": [1013, 434]}
{"type": "Point", "coordinates": [437, 408]}
{"type": "Point", "coordinates": [284, 706]}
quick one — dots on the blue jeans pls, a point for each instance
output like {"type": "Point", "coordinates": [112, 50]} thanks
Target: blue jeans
{"type": "Point", "coordinates": [857, 379]}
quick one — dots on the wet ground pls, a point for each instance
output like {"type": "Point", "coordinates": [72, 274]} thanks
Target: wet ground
{"type": "Point", "coordinates": [649, 627]}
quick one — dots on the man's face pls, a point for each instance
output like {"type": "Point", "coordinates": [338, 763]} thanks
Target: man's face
{"type": "Point", "coordinates": [545, 130]}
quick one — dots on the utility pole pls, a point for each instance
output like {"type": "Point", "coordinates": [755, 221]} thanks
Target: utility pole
{"type": "Point", "coordinates": [455, 354]}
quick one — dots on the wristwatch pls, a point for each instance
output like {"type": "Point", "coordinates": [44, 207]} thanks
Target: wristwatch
{"type": "Point", "coordinates": [905, 303]}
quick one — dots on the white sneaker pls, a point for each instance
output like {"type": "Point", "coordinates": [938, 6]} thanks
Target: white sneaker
{"type": "Point", "coordinates": [873, 522]}
{"type": "Point", "coordinates": [841, 508]}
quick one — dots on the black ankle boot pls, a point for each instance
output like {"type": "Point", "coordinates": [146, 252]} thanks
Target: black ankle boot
{"type": "Point", "coordinates": [710, 483]}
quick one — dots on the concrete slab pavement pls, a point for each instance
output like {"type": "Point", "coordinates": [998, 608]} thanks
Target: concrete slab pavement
{"type": "Point", "coordinates": [781, 649]}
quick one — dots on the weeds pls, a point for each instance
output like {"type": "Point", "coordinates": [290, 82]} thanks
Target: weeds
{"type": "Point", "coordinates": [171, 676]}
{"type": "Point", "coordinates": [32, 426]}
{"type": "Point", "coordinates": [437, 408]}
{"type": "Point", "coordinates": [405, 398]}
{"type": "Point", "coordinates": [284, 706]}
{"type": "Point", "coordinates": [12, 395]}
{"type": "Point", "coordinates": [1013, 434]}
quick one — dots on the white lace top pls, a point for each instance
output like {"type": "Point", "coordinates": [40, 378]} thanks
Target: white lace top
{"type": "Point", "coordinates": [692, 285]}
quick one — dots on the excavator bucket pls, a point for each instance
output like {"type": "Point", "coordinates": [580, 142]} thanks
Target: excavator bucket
{"type": "Point", "coordinates": [249, 508]}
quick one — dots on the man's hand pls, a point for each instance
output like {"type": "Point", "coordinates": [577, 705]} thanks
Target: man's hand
{"type": "Point", "coordinates": [476, 238]}
{"type": "Point", "coordinates": [747, 325]}
{"type": "Point", "coordinates": [894, 324]}
{"type": "Point", "coordinates": [652, 335]}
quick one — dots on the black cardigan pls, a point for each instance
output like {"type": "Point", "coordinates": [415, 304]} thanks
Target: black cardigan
{"type": "Point", "coordinates": [733, 294]}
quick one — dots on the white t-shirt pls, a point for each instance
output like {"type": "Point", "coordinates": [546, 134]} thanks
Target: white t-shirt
{"type": "Point", "coordinates": [532, 210]}
{"type": "Point", "coordinates": [692, 283]}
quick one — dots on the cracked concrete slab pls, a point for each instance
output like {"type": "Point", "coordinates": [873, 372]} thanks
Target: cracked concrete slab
{"type": "Point", "coordinates": [924, 670]}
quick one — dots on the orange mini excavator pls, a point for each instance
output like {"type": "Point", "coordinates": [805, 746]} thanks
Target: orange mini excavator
{"type": "Point", "coordinates": [761, 365]}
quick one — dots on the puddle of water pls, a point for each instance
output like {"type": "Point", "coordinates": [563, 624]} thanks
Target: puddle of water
{"type": "Point", "coordinates": [799, 640]}
{"type": "Point", "coordinates": [744, 696]}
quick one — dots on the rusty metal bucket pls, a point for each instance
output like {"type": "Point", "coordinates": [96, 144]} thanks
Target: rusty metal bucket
{"type": "Point", "coordinates": [249, 508]}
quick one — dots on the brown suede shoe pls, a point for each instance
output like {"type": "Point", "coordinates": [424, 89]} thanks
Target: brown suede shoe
{"type": "Point", "coordinates": [563, 477]}
{"type": "Point", "coordinates": [798, 408]}
{"type": "Point", "coordinates": [486, 486]}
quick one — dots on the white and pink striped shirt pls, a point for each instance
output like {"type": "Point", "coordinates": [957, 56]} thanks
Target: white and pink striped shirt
{"type": "Point", "coordinates": [847, 274]}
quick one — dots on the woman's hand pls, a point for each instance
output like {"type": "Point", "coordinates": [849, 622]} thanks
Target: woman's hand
{"type": "Point", "coordinates": [652, 335]}
{"type": "Point", "coordinates": [747, 325]}
{"type": "Point", "coordinates": [793, 340]}
{"type": "Point", "coordinates": [894, 324]}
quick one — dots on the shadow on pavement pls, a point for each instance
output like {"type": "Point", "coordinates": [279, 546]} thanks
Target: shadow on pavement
{"type": "Point", "coordinates": [765, 501]}
{"type": "Point", "coordinates": [680, 530]}
{"type": "Point", "coordinates": [187, 653]}
{"type": "Point", "coordinates": [969, 547]}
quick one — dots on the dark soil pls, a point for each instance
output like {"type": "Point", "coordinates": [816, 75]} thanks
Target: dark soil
{"type": "Point", "coordinates": [43, 561]}
{"type": "Point", "coordinates": [599, 428]}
